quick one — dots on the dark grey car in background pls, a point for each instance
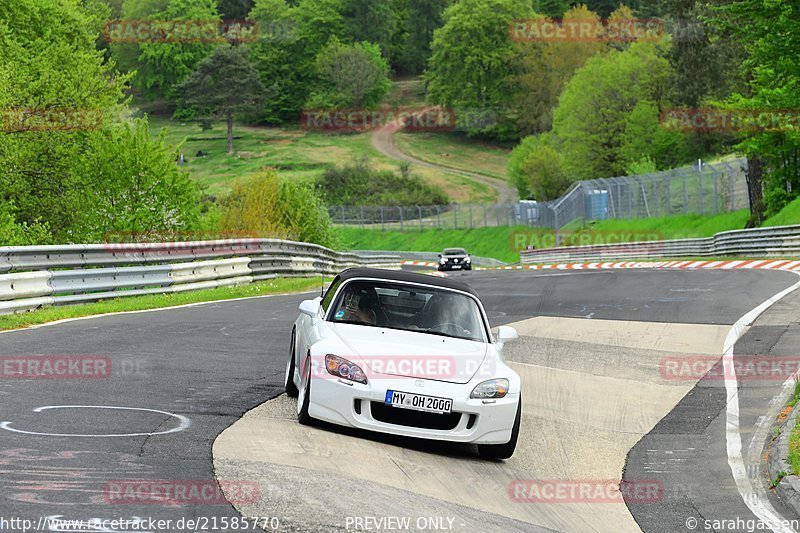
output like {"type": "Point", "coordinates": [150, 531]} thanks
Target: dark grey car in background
{"type": "Point", "coordinates": [454, 259]}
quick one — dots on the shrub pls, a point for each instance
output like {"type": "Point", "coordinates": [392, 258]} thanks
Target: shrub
{"type": "Point", "coordinates": [361, 184]}
{"type": "Point", "coordinates": [264, 206]}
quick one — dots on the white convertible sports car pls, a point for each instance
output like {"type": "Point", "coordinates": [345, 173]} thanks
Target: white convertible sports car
{"type": "Point", "coordinates": [406, 354]}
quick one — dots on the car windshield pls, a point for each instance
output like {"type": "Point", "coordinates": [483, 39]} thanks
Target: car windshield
{"type": "Point", "coordinates": [455, 251]}
{"type": "Point", "coordinates": [409, 308]}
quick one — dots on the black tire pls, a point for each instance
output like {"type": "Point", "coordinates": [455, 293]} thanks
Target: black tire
{"type": "Point", "coordinates": [503, 451]}
{"type": "Point", "coordinates": [291, 388]}
{"type": "Point", "coordinates": [302, 414]}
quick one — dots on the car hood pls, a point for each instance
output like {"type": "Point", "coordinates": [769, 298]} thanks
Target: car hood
{"type": "Point", "coordinates": [391, 352]}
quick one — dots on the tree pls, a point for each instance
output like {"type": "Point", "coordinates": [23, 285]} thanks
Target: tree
{"type": "Point", "coordinates": [225, 83]}
{"type": "Point", "coordinates": [644, 137]}
{"type": "Point", "coordinates": [770, 34]}
{"type": "Point", "coordinates": [350, 76]}
{"type": "Point", "coordinates": [474, 60]}
{"type": "Point", "coordinates": [371, 21]}
{"type": "Point", "coordinates": [266, 206]}
{"type": "Point", "coordinates": [536, 168]}
{"type": "Point", "coordinates": [422, 18]}
{"type": "Point", "coordinates": [133, 185]}
{"type": "Point", "coordinates": [234, 9]}
{"type": "Point", "coordinates": [48, 62]}
{"type": "Point", "coordinates": [161, 65]}
{"type": "Point", "coordinates": [592, 114]}
{"type": "Point", "coordinates": [545, 68]}
{"type": "Point", "coordinates": [285, 57]}
{"type": "Point", "coordinates": [13, 233]}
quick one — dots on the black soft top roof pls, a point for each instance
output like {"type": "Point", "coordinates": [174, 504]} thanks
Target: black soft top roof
{"type": "Point", "coordinates": [404, 275]}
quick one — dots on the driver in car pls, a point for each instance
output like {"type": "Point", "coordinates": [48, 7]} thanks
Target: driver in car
{"type": "Point", "coordinates": [360, 305]}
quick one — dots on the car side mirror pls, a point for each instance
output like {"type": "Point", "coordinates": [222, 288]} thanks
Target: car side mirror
{"type": "Point", "coordinates": [506, 334]}
{"type": "Point", "coordinates": [310, 308]}
{"type": "Point", "coordinates": [440, 256]}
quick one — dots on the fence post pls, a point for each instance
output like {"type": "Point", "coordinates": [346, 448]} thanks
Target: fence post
{"type": "Point", "coordinates": [700, 187]}
{"type": "Point", "coordinates": [362, 217]}
{"type": "Point", "coordinates": [382, 228]}
{"type": "Point", "coordinates": [470, 216]}
{"type": "Point", "coordinates": [716, 192]}
{"type": "Point", "coordinates": [669, 194]}
{"type": "Point", "coordinates": [438, 217]}
{"type": "Point", "coordinates": [419, 210]}
{"type": "Point", "coordinates": [485, 224]}
{"type": "Point", "coordinates": [342, 209]}
{"type": "Point", "coordinates": [655, 194]}
{"type": "Point", "coordinates": [400, 208]}
{"type": "Point", "coordinates": [733, 190]}
{"type": "Point", "coordinates": [630, 199]}
{"type": "Point", "coordinates": [685, 204]}
{"type": "Point", "coordinates": [455, 216]}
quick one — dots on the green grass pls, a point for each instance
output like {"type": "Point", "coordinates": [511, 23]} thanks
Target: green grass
{"type": "Point", "coordinates": [794, 449]}
{"type": "Point", "coordinates": [789, 215]}
{"type": "Point", "coordinates": [294, 153]}
{"type": "Point", "coordinates": [674, 227]}
{"type": "Point", "coordinates": [407, 93]}
{"type": "Point", "coordinates": [483, 242]}
{"type": "Point", "coordinates": [456, 151]}
{"type": "Point", "coordinates": [156, 301]}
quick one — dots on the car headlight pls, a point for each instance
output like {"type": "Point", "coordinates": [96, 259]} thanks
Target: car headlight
{"type": "Point", "coordinates": [468, 260]}
{"type": "Point", "coordinates": [340, 367]}
{"type": "Point", "coordinates": [442, 260]}
{"type": "Point", "coordinates": [494, 388]}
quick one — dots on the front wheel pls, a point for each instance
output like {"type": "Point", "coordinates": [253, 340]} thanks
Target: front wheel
{"type": "Point", "coordinates": [291, 388]}
{"type": "Point", "coordinates": [503, 451]}
{"type": "Point", "coordinates": [304, 399]}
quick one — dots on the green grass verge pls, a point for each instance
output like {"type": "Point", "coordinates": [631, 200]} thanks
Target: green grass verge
{"type": "Point", "coordinates": [483, 242]}
{"type": "Point", "coordinates": [674, 227]}
{"type": "Point", "coordinates": [156, 301]}
{"type": "Point", "coordinates": [789, 215]}
{"type": "Point", "coordinates": [794, 435]}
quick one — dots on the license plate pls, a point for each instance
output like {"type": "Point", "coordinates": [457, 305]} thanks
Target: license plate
{"type": "Point", "coordinates": [418, 402]}
{"type": "Point", "coordinates": [456, 266]}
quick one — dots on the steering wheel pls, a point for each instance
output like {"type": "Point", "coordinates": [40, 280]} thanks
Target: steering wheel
{"type": "Point", "coordinates": [450, 328]}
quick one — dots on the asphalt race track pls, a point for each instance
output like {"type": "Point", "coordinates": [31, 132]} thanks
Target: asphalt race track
{"type": "Point", "coordinates": [187, 374]}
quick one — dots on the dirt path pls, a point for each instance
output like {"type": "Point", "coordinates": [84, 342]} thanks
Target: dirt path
{"type": "Point", "coordinates": [383, 141]}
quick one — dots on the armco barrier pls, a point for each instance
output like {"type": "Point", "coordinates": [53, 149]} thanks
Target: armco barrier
{"type": "Point", "coordinates": [35, 276]}
{"type": "Point", "coordinates": [782, 241]}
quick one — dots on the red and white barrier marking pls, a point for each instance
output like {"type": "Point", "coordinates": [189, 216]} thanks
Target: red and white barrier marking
{"type": "Point", "coordinates": [761, 264]}
{"type": "Point", "coordinates": [419, 263]}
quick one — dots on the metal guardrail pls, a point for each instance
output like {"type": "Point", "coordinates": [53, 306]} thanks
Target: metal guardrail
{"type": "Point", "coordinates": [32, 277]}
{"type": "Point", "coordinates": [781, 241]}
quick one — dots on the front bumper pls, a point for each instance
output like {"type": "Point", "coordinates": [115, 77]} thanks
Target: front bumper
{"type": "Point", "coordinates": [349, 404]}
{"type": "Point", "coordinates": [461, 264]}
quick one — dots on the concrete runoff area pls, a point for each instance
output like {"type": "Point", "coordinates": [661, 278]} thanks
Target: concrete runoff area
{"type": "Point", "coordinates": [584, 408]}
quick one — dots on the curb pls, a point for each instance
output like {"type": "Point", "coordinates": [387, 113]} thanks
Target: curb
{"type": "Point", "coordinates": [762, 264]}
